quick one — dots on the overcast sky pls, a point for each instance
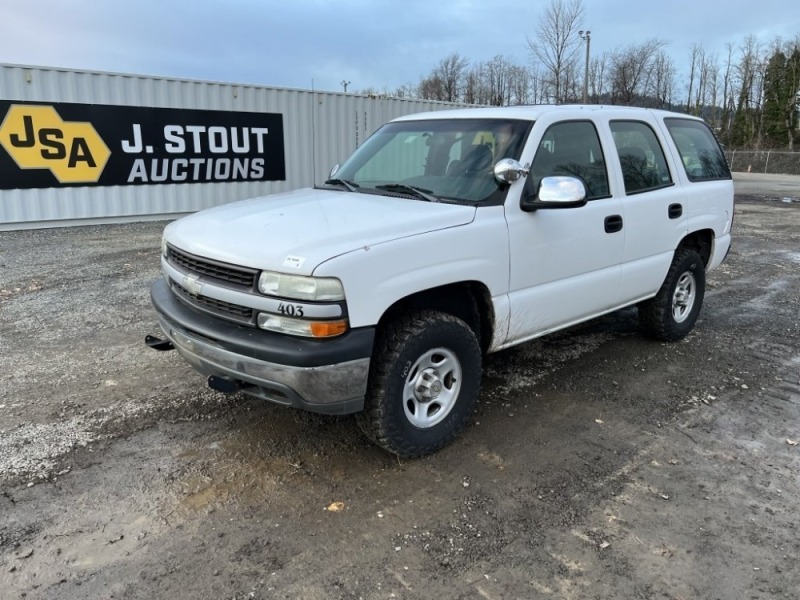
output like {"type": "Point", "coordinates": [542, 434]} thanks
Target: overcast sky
{"type": "Point", "coordinates": [378, 44]}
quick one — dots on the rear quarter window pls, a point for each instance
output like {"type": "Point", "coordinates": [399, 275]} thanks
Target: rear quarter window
{"type": "Point", "coordinates": [701, 155]}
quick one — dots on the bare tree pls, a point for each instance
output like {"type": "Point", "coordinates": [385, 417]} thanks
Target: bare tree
{"type": "Point", "coordinates": [476, 87]}
{"type": "Point", "coordinates": [727, 93]}
{"type": "Point", "coordinates": [556, 43]}
{"type": "Point", "coordinates": [451, 70]}
{"type": "Point", "coordinates": [497, 71]}
{"type": "Point", "coordinates": [630, 67]}
{"type": "Point", "coordinates": [472, 84]}
{"type": "Point", "coordinates": [499, 82]}
{"type": "Point", "coordinates": [431, 88]}
{"type": "Point", "coordinates": [743, 93]}
{"type": "Point", "coordinates": [709, 70]}
{"type": "Point", "coordinates": [598, 68]}
{"type": "Point", "coordinates": [663, 80]}
{"type": "Point", "coordinates": [694, 103]}
{"type": "Point", "coordinates": [404, 91]}
{"type": "Point", "coordinates": [538, 93]}
{"type": "Point", "coordinates": [519, 85]}
{"type": "Point", "coordinates": [696, 52]}
{"type": "Point", "coordinates": [744, 131]}
{"type": "Point", "coordinates": [445, 80]}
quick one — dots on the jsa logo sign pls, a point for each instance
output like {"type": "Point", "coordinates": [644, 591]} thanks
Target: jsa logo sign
{"type": "Point", "coordinates": [37, 138]}
{"type": "Point", "coordinates": [62, 144]}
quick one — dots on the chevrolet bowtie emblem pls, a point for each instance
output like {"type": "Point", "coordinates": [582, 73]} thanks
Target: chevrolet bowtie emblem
{"type": "Point", "coordinates": [191, 283]}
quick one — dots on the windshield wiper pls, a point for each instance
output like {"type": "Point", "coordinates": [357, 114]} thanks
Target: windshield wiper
{"type": "Point", "coordinates": [409, 189]}
{"type": "Point", "coordinates": [351, 187]}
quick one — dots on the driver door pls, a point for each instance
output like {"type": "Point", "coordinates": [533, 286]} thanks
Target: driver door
{"type": "Point", "coordinates": [565, 262]}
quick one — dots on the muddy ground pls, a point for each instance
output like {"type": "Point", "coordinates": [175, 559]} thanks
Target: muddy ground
{"type": "Point", "coordinates": [599, 464]}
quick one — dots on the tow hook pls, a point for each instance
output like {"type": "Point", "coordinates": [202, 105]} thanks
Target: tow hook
{"type": "Point", "coordinates": [158, 344]}
{"type": "Point", "coordinates": [224, 384]}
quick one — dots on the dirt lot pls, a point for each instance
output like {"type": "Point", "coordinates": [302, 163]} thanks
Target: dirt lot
{"type": "Point", "coordinates": [598, 465]}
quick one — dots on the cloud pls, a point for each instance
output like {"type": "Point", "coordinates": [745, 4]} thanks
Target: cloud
{"type": "Point", "coordinates": [369, 43]}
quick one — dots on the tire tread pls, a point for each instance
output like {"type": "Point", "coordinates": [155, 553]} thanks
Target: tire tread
{"type": "Point", "coordinates": [654, 314]}
{"type": "Point", "coordinates": [391, 341]}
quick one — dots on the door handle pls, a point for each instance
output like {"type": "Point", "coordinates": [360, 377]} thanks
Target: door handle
{"type": "Point", "coordinates": [675, 211]}
{"type": "Point", "coordinates": [613, 223]}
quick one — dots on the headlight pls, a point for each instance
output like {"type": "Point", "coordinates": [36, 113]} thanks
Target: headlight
{"type": "Point", "coordinates": [163, 246]}
{"type": "Point", "coordinates": [299, 287]}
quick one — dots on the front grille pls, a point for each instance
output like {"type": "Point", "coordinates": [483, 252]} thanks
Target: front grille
{"type": "Point", "coordinates": [234, 312]}
{"type": "Point", "coordinates": [231, 275]}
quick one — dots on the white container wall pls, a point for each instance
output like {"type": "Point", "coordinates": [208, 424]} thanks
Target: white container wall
{"type": "Point", "coordinates": [320, 129]}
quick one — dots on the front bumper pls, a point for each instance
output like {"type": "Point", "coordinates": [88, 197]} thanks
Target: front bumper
{"type": "Point", "coordinates": [325, 376]}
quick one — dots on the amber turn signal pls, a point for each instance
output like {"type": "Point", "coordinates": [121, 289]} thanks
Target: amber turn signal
{"type": "Point", "coordinates": [328, 328]}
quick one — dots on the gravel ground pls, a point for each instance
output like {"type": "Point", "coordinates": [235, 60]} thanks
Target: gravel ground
{"type": "Point", "coordinates": [599, 464]}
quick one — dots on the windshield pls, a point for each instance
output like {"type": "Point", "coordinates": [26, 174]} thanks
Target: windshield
{"type": "Point", "coordinates": [449, 159]}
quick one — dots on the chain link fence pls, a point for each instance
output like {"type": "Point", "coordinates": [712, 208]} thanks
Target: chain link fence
{"type": "Point", "coordinates": [764, 161]}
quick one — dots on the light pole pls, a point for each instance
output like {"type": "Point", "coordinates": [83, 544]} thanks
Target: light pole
{"type": "Point", "coordinates": [344, 85]}
{"type": "Point", "coordinates": [587, 37]}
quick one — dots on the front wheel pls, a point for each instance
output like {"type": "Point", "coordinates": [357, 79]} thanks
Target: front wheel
{"type": "Point", "coordinates": [671, 314]}
{"type": "Point", "coordinates": [423, 384]}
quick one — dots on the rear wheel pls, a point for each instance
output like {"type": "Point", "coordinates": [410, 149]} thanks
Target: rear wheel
{"type": "Point", "coordinates": [424, 381]}
{"type": "Point", "coordinates": [672, 313]}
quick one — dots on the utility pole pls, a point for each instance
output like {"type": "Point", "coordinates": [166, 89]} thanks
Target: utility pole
{"type": "Point", "coordinates": [587, 37]}
{"type": "Point", "coordinates": [344, 85]}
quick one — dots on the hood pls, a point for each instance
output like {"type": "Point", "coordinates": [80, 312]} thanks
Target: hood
{"type": "Point", "coordinates": [297, 231]}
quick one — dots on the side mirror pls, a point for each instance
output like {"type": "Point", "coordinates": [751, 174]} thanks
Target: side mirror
{"type": "Point", "coordinates": [334, 168]}
{"type": "Point", "coordinates": [556, 192]}
{"type": "Point", "coordinates": [508, 170]}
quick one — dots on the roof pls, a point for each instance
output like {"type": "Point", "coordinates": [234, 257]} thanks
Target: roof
{"type": "Point", "coordinates": [533, 112]}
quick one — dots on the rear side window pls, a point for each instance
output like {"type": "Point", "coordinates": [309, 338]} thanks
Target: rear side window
{"type": "Point", "coordinates": [572, 148]}
{"type": "Point", "coordinates": [640, 156]}
{"type": "Point", "coordinates": [700, 152]}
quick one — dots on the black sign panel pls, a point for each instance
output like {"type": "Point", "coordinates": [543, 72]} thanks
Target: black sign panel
{"type": "Point", "coordinates": [57, 144]}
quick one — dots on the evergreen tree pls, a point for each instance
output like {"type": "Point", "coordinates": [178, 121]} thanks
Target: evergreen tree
{"type": "Point", "coordinates": [775, 100]}
{"type": "Point", "coordinates": [793, 97]}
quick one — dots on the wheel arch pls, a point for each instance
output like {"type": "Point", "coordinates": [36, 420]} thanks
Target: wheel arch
{"type": "Point", "coordinates": [701, 241]}
{"type": "Point", "coordinates": [470, 301]}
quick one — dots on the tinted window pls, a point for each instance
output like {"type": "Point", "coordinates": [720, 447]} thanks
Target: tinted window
{"type": "Point", "coordinates": [572, 148]}
{"type": "Point", "coordinates": [700, 153]}
{"type": "Point", "coordinates": [641, 157]}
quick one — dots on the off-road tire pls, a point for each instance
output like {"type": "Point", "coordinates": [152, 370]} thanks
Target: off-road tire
{"type": "Point", "coordinates": [401, 344]}
{"type": "Point", "coordinates": [657, 315]}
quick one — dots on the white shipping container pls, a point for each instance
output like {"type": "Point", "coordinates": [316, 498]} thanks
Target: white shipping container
{"type": "Point", "coordinates": [320, 129]}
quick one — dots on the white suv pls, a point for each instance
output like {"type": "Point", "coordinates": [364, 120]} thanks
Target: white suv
{"type": "Point", "coordinates": [446, 236]}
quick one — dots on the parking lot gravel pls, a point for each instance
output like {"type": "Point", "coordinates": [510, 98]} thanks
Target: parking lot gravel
{"type": "Point", "coordinates": [599, 464]}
